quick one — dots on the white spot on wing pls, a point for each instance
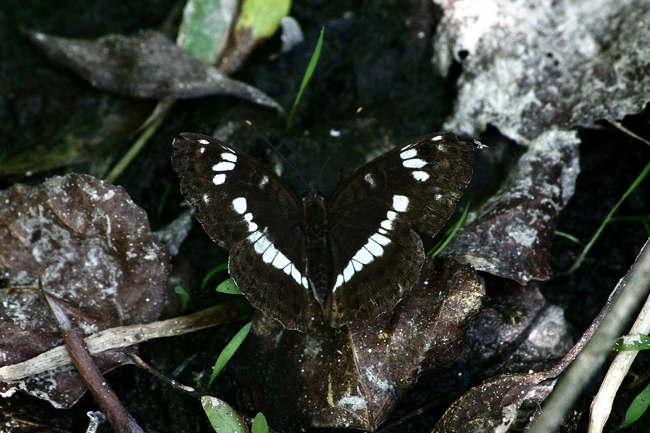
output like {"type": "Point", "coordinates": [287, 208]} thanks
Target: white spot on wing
{"type": "Point", "coordinates": [206, 199]}
{"type": "Point", "coordinates": [339, 282]}
{"type": "Point", "coordinates": [280, 261]}
{"type": "Point", "coordinates": [219, 179]}
{"type": "Point", "coordinates": [364, 256]}
{"type": "Point", "coordinates": [270, 254]}
{"type": "Point", "coordinates": [420, 176]}
{"type": "Point", "coordinates": [264, 181]}
{"type": "Point", "coordinates": [240, 205]}
{"type": "Point", "coordinates": [380, 239]}
{"type": "Point", "coordinates": [414, 163]}
{"type": "Point", "coordinates": [227, 156]}
{"type": "Point", "coordinates": [437, 138]}
{"type": "Point", "coordinates": [368, 178]}
{"type": "Point", "coordinates": [408, 154]}
{"type": "Point", "coordinates": [374, 248]}
{"type": "Point", "coordinates": [249, 219]}
{"type": "Point", "coordinates": [400, 203]}
{"type": "Point", "coordinates": [348, 272]}
{"type": "Point", "coordinates": [204, 141]}
{"type": "Point", "coordinates": [202, 150]}
{"type": "Point", "coordinates": [273, 256]}
{"type": "Point", "coordinates": [223, 166]}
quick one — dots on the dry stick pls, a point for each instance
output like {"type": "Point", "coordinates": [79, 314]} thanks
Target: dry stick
{"type": "Point", "coordinates": [602, 404]}
{"type": "Point", "coordinates": [124, 336]}
{"type": "Point", "coordinates": [625, 299]}
{"type": "Point", "coordinates": [108, 402]}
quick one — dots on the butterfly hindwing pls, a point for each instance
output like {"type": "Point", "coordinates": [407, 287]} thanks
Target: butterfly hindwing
{"type": "Point", "coordinates": [245, 207]}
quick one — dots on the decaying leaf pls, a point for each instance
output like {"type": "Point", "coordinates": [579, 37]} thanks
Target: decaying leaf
{"type": "Point", "coordinates": [355, 376]}
{"type": "Point", "coordinates": [494, 406]}
{"type": "Point", "coordinates": [205, 28]}
{"type": "Point", "coordinates": [535, 76]}
{"type": "Point", "coordinates": [145, 65]}
{"type": "Point", "coordinates": [257, 21]}
{"type": "Point", "coordinates": [90, 248]}
{"type": "Point", "coordinates": [529, 66]}
{"type": "Point", "coordinates": [519, 330]}
{"type": "Point", "coordinates": [511, 234]}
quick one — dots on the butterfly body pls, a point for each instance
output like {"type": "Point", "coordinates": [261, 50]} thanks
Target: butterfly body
{"type": "Point", "coordinates": [355, 250]}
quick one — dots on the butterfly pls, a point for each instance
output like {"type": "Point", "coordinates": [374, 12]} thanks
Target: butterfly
{"type": "Point", "coordinates": [355, 250]}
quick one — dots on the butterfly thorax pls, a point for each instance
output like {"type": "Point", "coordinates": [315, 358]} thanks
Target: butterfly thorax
{"type": "Point", "coordinates": [315, 231]}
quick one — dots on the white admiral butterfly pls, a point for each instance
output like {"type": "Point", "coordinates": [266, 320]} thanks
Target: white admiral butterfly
{"type": "Point", "coordinates": [356, 250]}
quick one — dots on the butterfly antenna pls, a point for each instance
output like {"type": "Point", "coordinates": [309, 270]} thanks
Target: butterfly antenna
{"type": "Point", "coordinates": [278, 153]}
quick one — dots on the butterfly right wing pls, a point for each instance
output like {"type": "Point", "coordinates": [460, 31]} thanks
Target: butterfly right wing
{"type": "Point", "coordinates": [247, 208]}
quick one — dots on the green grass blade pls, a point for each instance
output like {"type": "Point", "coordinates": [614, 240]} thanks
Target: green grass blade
{"type": "Point", "coordinates": [308, 73]}
{"type": "Point", "coordinates": [135, 149]}
{"type": "Point", "coordinates": [453, 233]}
{"type": "Point", "coordinates": [212, 273]}
{"type": "Point", "coordinates": [228, 352]}
{"type": "Point", "coordinates": [567, 236]}
{"type": "Point", "coordinates": [607, 219]}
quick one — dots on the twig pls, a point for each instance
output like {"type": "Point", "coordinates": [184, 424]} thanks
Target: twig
{"type": "Point", "coordinates": [624, 300]}
{"type": "Point", "coordinates": [107, 400]}
{"type": "Point", "coordinates": [124, 336]}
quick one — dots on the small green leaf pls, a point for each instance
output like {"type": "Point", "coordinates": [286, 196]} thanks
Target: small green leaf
{"type": "Point", "coordinates": [632, 342]}
{"type": "Point", "coordinates": [228, 352]}
{"type": "Point", "coordinates": [308, 73]}
{"type": "Point", "coordinates": [185, 297]}
{"type": "Point", "coordinates": [223, 418]}
{"type": "Point", "coordinates": [229, 287]}
{"type": "Point", "coordinates": [205, 28]}
{"type": "Point", "coordinates": [259, 424]}
{"type": "Point", "coordinates": [638, 406]}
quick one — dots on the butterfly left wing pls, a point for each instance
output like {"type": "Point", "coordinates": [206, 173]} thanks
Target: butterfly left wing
{"type": "Point", "coordinates": [375, 254]}
{"type": "Point", "coordinates": [248, 209]}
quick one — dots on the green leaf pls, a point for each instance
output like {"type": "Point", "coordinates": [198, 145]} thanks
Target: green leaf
{"type": "Point", "coordinates": [212, 273]}
{"type": "Point", "coordinates": [223, 418]}
{"type": "Point", "coordinates": [229, 287]}
{"type": "Point", "coordinates": [185, 297]}
{"type": "Point", "coordinates": [308, 73]}
{"type": "Point", "coordinates": [259, 424]}
{"type": "Point", "coordinates": [453, 233]}
{"type": "Point", "coordinates": [205, 28]}
{"type": "Point", "coordinates": [638, 406]}
{"type": "Point", "coordinates": [608, 218]}
{"type": "Point", "coordinates": [629, 342]}
{"type": "Point", "coordinates": [228, 352]}
{"type": "Point", "coordinates": [262, 17]}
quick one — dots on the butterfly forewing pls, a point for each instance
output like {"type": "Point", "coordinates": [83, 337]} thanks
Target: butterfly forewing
{"type": "Point", "coordinates": [244, 206]}
{"type": "Point", "coordinates": [375, 254]}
